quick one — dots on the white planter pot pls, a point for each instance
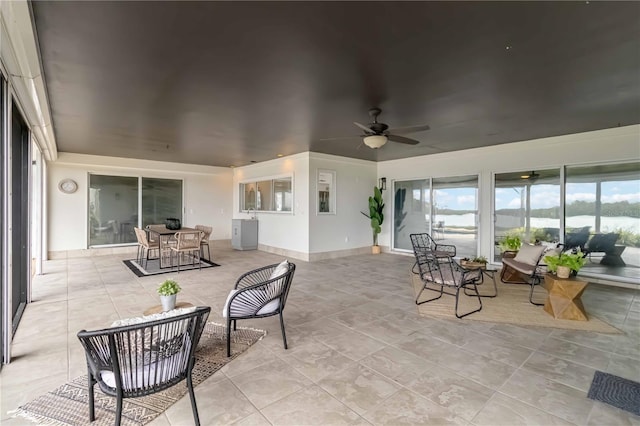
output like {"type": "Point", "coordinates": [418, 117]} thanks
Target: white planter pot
{"type": "Point", "coordinates": [563, 272]}
{"type": "Point", "coordinates": [168, 302]}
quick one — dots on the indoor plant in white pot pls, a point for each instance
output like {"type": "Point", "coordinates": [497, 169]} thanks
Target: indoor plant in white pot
{"type": "Point", "coordinates": [565, 263]}
{"type": "Point", "coordinates": [168, 291]}
{"type": "Point", "coordinates": [376, 216]}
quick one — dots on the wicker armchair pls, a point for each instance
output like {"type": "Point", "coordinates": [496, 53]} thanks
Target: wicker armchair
{"type": "Point", "coordinates": [205, 239]}
{"type": "Point", "coordinates": [446, 272]}
{"type": "Point", "coordinates": [137, 360]}
{"type": "Point", "coordinates": [258, 294]}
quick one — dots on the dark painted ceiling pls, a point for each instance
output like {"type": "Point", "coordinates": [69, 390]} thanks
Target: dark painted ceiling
{"type": "Point", "coordinates": [226, 83]}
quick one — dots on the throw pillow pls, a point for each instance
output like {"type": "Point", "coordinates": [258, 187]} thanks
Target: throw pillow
{"type": "Point", "coordinates": [529, 254]}
{"type": "Point", "coordinates": [280, 269]}
{"type": "Point", "coordinates": [153, 317]}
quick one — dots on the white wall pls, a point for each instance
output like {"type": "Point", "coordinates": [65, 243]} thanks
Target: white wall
{"type": "Point", "coordinates": [282, 230]}
{"type": "Point", "coordinates": [207, 195]}
{"type": "Point", "coordinates": [348, 228]}
{"type": "Point", "coordinates": [609, 145]}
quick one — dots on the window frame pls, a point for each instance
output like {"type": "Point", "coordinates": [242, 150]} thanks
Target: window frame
{"type": "Point", "coordinates": [255, 181]}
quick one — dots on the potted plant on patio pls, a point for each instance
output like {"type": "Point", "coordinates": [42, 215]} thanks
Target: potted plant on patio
{"type": "Point", "coordinates": [376, 205]}
{"type": "Point", "coordinates": [475, 263]}
{"type": "Point", "coordinates": [168, 291]}
{"type": "Point", "coordinates": [565, 263]}
{"type": "Point", "coordinates": [510, 243]}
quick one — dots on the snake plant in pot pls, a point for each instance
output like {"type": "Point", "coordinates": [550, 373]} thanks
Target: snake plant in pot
{"type": "Point", "coordinates": [376, 216]}
{"type": "Point", "coordinates": [168, 292]}
{"type": "Point", "coordinates": [565, 263]}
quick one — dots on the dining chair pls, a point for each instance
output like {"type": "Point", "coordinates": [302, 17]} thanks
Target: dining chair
{"type": "Point", "coordinates": [205, 239]}
{"type": "Point", "coordinates": [187, 242]}
{"type": "Point", "coordinates": [145, 246]}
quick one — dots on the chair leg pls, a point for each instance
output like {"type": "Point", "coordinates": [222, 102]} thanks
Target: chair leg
{"type": "Point", "coordinates": [192, 396]}
{"type": "Point", "coordinates": [118, 410]}
{"type": "Point", "coordinates": [534, 281]}
{"type": "Point", "coordinates": [208, 253]}
{"type": "Point", "coordinates": [92, 411]}
{"type": "Point", "coordinates": [284, 336]}
{"type": "Point", "coordinates": [229, 334]}
{"type": "Point", "coordinates": [429, 300]}
{"type": "Point", "coordinates": [475, 288]}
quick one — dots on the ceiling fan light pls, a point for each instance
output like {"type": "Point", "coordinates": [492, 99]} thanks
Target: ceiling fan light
{"type": "Point", "coordinates": [375, 141]}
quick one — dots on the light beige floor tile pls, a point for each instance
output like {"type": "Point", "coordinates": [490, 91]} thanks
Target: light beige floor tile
{"type": "Point", "coordinates": [555, 398]}
{"type": "Point", "coordinates": [560, 370]}
{"type": "Point", "coordinates": [311, 406]}
{"type": "Point", "coordinates": [255, 419]}
{"type": "Point", "coordinates": [605, 414]}
{"type": "Point", "coordinates": [270, 382]}
{"type": "Point", "coordinates": [447, 389]}
{"type": "Point", "coordinates": [628, 368]}
{"type": "Point", "coordinates": [504, 411]}
{"type": "Point", "coordinates": [316, 360]}
{"type": "Point", "coordinates": [407, 408]}
{"type": "Point", "coordinates": [396, 364]}
{"type": "Point", "coordinates": [576, 353]}
{"type": "Point", "coordinates": [498, 350]}
{"type": "Point", "coordinates": [358, 387]}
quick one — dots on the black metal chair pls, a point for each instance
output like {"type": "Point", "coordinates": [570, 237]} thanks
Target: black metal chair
{"type": "Point", "coordinates": [137, 360]}
{"type": "Point", "coordinates": [258, 294]}
{"type": "Point", "coordinates": [424, 242]}
{"type": "Point", "coordinates": [446, 272]}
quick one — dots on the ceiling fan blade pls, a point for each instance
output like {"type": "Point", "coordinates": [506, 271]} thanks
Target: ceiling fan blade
{"type": "Point", "coordinates": [402, 139]}
{"type": "Point", "coordinates": [410, 129]}
{"type": "Point", "coordinates": [363, 127]}
{"type": "Point", "coordinates": [340, 138]}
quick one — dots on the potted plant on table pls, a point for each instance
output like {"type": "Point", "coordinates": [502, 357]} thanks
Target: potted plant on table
{"type": "Point", "coordinates": [168, 291]}
{"type": "Point", "coordinates": [376, 205]}
{"type": "Point", "coordinates": [565, 263]}
{"type": "Point", "coordinates": [474, 263]}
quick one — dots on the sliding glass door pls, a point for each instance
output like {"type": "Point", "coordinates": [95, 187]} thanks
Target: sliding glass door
{"type": "Point", "coordinates": [114, 209]}
{"type": "Point", "coordinates": [451, 218]}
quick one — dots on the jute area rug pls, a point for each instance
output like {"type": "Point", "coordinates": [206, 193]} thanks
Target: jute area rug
{"type": "Point", "coordinates": [511, 306]}
{"type": "Point", "coordinates": [68, 404]}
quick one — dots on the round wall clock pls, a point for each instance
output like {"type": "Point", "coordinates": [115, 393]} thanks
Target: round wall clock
{"type": "Point", "coordinates": [68, 186]}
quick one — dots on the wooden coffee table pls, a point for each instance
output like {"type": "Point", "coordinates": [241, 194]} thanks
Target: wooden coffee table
{"type": "Point", "coordinates": [563, 301]}
{"type": "Point", "coordinates": [158, 308]}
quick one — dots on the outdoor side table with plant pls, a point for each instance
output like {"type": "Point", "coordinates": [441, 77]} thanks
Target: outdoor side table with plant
{"type": "Point", "coordinates": [565, 264]}
{"type": "Point", "coordinates": [168, 291]}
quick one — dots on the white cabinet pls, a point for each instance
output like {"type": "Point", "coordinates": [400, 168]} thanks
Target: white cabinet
{"type": "Point", "coordinates": [244, 234]}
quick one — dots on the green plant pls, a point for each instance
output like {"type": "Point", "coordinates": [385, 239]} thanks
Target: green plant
{"type": "Point", "coordinates": [479, 259]}
{"type": "Point", "coordinates": [376, 205]}
{"type": "Point", "coordinates": [168, 288]}
{"type": "Point", "coordinates": [574, 261]}
{"type": "Point", "coordinates": [511, 243]}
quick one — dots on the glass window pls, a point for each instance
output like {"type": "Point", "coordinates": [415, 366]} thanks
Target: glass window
{"type": "Point", "coordinates": [602, 215]}
{"type": "Point", "coordinates": [267, 195]}
{"type": "Point", "coordinates": [455, 213]}
{"type": "Point", "coordinates": [264, 196]}
{"type": "Point", "coordinates": [326, 191]}
{"type": "Point", "coordinates": [113, 203]}
{"type": "Point", "coordinates": [283, 196]}
{"type": "Point", "coordinates": [527, 204]}
{"type": "Point", "coordinates": [161, 199]}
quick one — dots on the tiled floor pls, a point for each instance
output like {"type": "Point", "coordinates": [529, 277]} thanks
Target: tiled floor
{"type": "Point", "coordinates": [358, 351]}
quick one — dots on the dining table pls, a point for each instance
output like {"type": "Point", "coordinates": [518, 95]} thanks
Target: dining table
{"type": "Point", "coordinates": [164, 236]}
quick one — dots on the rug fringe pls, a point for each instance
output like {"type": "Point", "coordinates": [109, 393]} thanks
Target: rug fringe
{"type": "Point", "coordinates": [264, 332]}
{"type": "Point", "coordinates": [35, 418]}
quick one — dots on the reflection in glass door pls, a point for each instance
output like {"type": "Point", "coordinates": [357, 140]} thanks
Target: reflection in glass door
{"type": "Point", "coordinates": [527, 205]}
{"type": "Point", "coordinates": [161, 199]}
{"type": "Point", "coordinates": [455, 213]}
{"type": "Point", "coordinates": [411, 211]}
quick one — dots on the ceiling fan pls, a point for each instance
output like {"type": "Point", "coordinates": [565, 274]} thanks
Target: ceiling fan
{"type": "Point", "coordinates": [377, 134]}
